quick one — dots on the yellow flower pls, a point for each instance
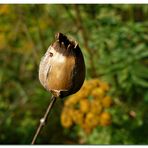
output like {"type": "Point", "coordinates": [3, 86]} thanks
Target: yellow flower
{"type": "Point", "coordinates": [77, 117]}
{"type": "Point", "coordinates": [91, 120]}
{"type": "Point", "coordinates": [80, 94]}
{"type": "Point", "coordinates": [66, 120]}
{"type": "Point", "coordinates": [69, 111]}
{"type": "Point", "coordinates": [107, 101]}
{"type": "Point", "coordinates": [96, 106]}
{"type": "Point", "coordinates": [105, 119]}
{"type": "Point", "coordinates": [94, 82]}
{"type": "Point", "coordinates": [97, 93]}
{"type": "Point", "coordinates": [85, 90]}
{"type": "Point", "coordinates": [4, 9]}
{"type": "Point", "coordinates": [104, 86]}
{"type": "Point", "coordinates": [84, 105]}
{"type": "Point", "coordinates": [71, 101]}
{"type": "Point", "coordinates": [88, 113]}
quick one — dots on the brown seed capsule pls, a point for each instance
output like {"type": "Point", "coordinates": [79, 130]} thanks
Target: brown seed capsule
{"type": "Point", "coordinates": [62, 68]}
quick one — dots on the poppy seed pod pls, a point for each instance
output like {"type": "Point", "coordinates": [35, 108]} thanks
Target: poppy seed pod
{"type": "Point", "coordinates": [62, 68]}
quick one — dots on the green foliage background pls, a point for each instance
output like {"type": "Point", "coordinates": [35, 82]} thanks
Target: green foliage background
{"type": "Point", "coordinates": [114, 40]}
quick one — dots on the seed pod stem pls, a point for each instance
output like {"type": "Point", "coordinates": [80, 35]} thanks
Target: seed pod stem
{"type": "Point", "coordinates": [43, 120]}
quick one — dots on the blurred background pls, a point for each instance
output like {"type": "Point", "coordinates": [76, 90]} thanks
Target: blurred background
{"type": "Point", "coordinates": [111, 107]}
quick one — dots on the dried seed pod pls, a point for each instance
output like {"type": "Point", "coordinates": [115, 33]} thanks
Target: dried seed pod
{"type": "Point", "coordinates": [62, 68]}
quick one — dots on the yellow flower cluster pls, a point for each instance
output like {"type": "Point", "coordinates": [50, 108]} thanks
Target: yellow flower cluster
{"type": "Point", "coordinates": [87, 107]}
{"type": "Point", "coordinates": [4, 9]}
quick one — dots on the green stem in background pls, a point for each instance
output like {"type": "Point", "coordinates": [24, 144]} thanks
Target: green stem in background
{"type": "Point", "coordinates": [41, 36]}
{"type": "Point", "coordinates": [84, 34]}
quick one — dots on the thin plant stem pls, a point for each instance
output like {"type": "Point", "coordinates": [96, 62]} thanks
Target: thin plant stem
{"type": "Point", "coordinates": [43, 120]}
